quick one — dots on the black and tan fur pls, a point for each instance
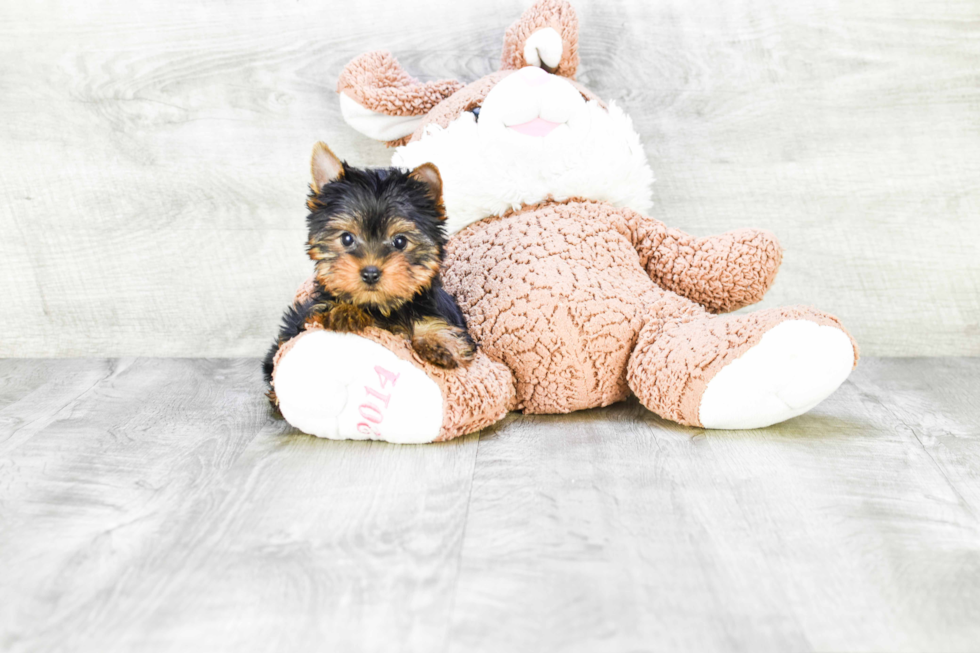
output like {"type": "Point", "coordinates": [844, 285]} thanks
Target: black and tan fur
{"type": "Point", "coordinates": [377, 236]}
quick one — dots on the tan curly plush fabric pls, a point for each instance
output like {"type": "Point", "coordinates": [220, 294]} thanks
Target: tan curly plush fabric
{"type": "Point", "coordinates": [560, 293]}
{"type": "Point", "coordinates": [555, 14]}
{"type": "Point", "coordinates": [376, 81]}
{"type": "Point", "coordinates": [723, 273]}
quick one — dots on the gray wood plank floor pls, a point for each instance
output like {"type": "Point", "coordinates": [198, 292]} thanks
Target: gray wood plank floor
{"type": "Point", "coordinates": [155, 505]}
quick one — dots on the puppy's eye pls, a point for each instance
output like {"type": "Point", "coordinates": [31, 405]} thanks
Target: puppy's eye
{"type": "Point", "coordinates": [399, 242]}
{"type": "Point", "coordinates": [476, 113]}
{"type": "Point", "coordinates": [346, 239]}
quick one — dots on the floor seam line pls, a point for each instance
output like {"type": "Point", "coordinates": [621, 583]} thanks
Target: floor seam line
{"type": "Point", "coordinates": [952, 486]}
{"type": "Point", "coordinates": [462, 542]}
{"type": "Point", "coordinates": [54, 414]}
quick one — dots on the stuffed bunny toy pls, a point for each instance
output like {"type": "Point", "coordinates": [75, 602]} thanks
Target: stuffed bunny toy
{"type": "Point", "coordinates": [575, 297]}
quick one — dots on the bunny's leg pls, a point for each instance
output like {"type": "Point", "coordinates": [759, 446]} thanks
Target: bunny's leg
{"type": "Point", "coordinates": [737, 371]}
{"type": "Point", "coordinates": [374, 386]}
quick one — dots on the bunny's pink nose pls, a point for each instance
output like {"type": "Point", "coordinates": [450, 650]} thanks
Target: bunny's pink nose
{"type": "Point", "coordinates": [536, 127]}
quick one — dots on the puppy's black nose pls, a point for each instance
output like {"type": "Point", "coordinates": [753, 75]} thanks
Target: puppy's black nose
{"type": "Point", "coordinates": [371, 274]}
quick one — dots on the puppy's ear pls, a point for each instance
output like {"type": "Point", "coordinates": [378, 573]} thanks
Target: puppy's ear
{"type": "Point", "coordinates": [429, 175]}
{"type": "Point", "coordinates": [325, 166]}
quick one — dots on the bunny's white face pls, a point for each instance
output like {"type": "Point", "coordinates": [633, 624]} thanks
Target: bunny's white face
{"type": "Point", "coordinates": [534, 138]}
{"type": "Point", "coordinates": [532, 103]}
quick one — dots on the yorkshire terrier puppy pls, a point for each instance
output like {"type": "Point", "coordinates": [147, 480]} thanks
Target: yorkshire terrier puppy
{"type": "Point", "coordinates": [377, 237]}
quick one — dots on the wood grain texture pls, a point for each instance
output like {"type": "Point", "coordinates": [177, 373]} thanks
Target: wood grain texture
{"type": "Point", "coordinates": [167, 510]}
{"type": "Point", "coordinates": [155, 154]}
{"type": "Point", "coordinates": [839, 530]}
{"type": "Point", "coordinates": [157, 506]}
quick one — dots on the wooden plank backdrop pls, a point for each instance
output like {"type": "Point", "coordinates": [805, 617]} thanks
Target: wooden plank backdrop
{"type": "Point", "coordinates": [154, 155]}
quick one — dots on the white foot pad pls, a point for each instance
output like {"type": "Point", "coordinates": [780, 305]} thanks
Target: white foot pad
{"type": "Point", "coordinates": [344, 387]}
{"type": "Point", "coordinates": [796, 365]}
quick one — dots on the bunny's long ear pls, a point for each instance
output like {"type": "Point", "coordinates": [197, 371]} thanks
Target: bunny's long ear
{"type": "Point", "coordinates": [382, 101]}
{"type": "Point", "coordinates": [546, 35]}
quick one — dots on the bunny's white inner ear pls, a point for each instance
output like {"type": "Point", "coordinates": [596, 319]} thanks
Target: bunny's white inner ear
{"type": "Point", "coordinates": [543, 47]}
{"type": "Point", "coordinates": [376, 125]}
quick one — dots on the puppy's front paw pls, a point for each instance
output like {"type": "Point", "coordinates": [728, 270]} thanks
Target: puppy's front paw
{"type": "Point", "coordinates": [434, 352]}
{"type": "Point", "coordinates": [347, 318]}
{"type": "Point", "coordinates": [315, 321]}
{"type": "Point", "coordinates": [442, 345]}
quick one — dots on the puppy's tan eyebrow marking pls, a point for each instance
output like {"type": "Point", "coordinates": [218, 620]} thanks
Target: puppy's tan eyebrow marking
{"type": "Point", "coordinates": [344, 223]}
{"type": "Point", "coordinates": [400, 226]}
{"type": "Point", "coordinates": [333, 229]}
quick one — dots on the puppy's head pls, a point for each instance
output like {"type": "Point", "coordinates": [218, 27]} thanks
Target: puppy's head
{"type": "Point", "coordinates": [376, 235]}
